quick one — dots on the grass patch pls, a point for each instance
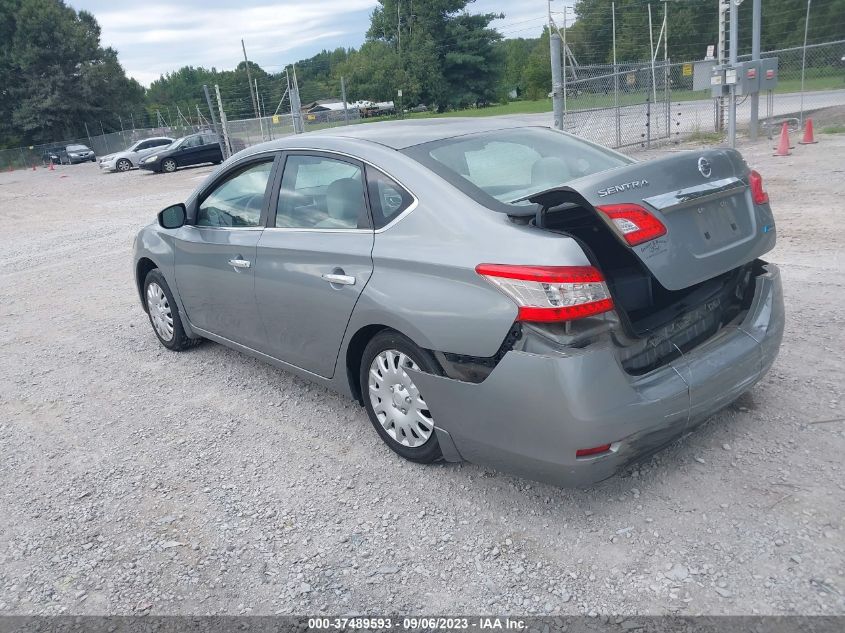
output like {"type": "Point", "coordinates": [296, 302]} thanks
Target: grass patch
{"type": "Point", "coordinates": [839, 128]}
{"type": "Point", "coordinates": [705, 138]}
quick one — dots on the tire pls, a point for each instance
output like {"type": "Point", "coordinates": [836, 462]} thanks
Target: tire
{"type": "Point", "coordinates": [124, 164]}
{"type": "Point", "coordinates": [94, 160]}
{"type": "Point", "coordinates": [409, 432]}
{"type": "Point", "coordinates": [159, 302]}
{"type": "Point", "coordinates": [168, 165]}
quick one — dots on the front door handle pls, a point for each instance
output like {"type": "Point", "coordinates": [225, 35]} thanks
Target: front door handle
{"type": "Point", "coordinates": [342, 280]}
{"type": "Point", "coordinates": [239, 263]}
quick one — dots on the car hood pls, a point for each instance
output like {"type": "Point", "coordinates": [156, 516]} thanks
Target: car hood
{"type": "Point", "coordinates": [115, 155]}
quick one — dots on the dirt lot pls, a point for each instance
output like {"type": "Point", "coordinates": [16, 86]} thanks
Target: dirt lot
{"type": "Point", "coordinates": [135, 480]}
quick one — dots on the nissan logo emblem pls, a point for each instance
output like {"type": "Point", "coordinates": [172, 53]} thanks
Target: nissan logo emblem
{"type": "Point", "coordinates": [704, 167]}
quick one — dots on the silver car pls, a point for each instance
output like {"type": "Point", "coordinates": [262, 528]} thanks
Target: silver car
{"type": "Point", "coordinates": [512, 296]}
{"type": "Point", "coordinates": [132, 155]}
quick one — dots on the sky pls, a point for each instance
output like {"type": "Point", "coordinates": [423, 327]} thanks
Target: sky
{"type": "Point", "coordinates": [153, 37]}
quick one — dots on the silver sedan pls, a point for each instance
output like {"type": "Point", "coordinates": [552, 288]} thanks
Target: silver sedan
{"type": "Point", "coordinates": [511, 296]}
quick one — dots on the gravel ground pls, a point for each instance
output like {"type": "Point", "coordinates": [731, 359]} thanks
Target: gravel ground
{"type": "Point", "coordinates": [135, 480]}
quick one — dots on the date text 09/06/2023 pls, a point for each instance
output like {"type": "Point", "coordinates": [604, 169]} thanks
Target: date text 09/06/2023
{"type": "Point", "coordinates": [414, 623]}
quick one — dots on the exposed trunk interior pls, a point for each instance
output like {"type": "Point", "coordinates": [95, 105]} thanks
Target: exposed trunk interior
{"type": "Point", "coordinates": [671, 321]}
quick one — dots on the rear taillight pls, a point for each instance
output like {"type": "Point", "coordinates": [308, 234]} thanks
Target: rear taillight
{"type": "Point", "coordinates": [633, 223]}
{"type": "Point", "coordinates": [758, 194]}
{"type": "Point", "coordinates": [596, 450]}
{"type": "Point", "coordinates": [547, 294]}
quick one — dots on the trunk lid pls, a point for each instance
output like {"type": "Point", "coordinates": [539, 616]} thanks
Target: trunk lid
{"type": "Point", "coordinates": [704, 201]}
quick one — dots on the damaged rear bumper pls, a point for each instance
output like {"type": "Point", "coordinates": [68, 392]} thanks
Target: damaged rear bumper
{"type": "Point", "coordinates": [533, 412]}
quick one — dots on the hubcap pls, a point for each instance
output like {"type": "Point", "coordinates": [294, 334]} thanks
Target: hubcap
{"type": "Point", "coordinates": [169, 165]}
{"type": "Point", "coordinates": [160, 315]}
{"type": "Point", "coordinates": [124, 165]}
{"type": "Point", "coordinates": [396, 400]}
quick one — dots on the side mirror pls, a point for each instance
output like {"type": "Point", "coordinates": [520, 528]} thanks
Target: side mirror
{"type": "Point", "coordinates": [173, 217]}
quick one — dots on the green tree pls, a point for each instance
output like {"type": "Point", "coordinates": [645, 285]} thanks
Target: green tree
{"type": "Point", "coordinates": [55, 75]}
{"type": "Point", "coordinates": [446, 57]}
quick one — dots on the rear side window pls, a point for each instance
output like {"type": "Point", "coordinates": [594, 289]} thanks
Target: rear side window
{"type": "Point", "coordinates": [321, 193]}
{"type": "Point", "coordinates": [388, 199]}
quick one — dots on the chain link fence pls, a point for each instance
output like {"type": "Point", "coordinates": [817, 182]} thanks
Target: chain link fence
{"type": "Point", "coordinates": [640, 104]}
{"type": "Point", "coordinates": [630, 104]}
{"type": "Point", "coordinates": [246, 132]}
{"type": "Point", "coordinates": [101, 144]}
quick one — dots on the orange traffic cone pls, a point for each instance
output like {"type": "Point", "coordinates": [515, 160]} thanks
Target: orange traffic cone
{"type": "Point", "coordinates": [33, 168]}
{"type": "Point", "coordinates": [51, 165]}
{"type": "Point", "coordinates": [783, 144]}
{"type": "Point", "coordinates": [808, 134]}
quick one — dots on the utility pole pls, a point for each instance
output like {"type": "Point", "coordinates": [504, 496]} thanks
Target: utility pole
{"type": "Point", "coordinates": [734, 43]}
{"type": "Point", "coordinates": [226, 146]}
{"type": "Point", "coordinates": [557, 79]}
{"type": "Point", "coordinates": [756, 19]}
{"type": "Point", "coordinates": [249, 81]}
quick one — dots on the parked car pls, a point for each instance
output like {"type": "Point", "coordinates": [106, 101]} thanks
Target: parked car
{"type": "Point", "coordinates": [67, 155]}
{"type": "Point", "coordinates": [511, 296]}
{"type": "Point", "coordinates": [132, 155]}
{"type": "Point", "coordinates": [195, 149]}
{"type": "Point", "coordinates": [52, 155]}
{"type": "Point", "coordinates": [75, 154]}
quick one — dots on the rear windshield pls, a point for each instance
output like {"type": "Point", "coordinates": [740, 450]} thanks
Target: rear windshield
{"type": "Point", "coordinates": [510, 165]}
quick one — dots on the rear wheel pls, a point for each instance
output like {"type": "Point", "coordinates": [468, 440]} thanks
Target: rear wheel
{"type": "Point", "coordinates": [169, 165]}
{"type": "Point", "coordinates": [163, 313]}
{"type": "Point", "coordinates": [124, 164]}
{"type": "Point", "coordinates": [393, 402]}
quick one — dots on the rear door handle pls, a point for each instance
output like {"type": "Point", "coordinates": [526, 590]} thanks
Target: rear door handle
{"type": "Point", "coordinates": [239, 263]}
{"type": "Point", "coordinates": [343, 280]}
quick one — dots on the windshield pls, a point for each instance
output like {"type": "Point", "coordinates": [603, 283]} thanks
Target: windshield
{"type": "Point", "coordinates": [176, 143]}
{"type": "Point", "coordinates": [509, 165]}
{"type": "Point", "coordinates": [77, 148]}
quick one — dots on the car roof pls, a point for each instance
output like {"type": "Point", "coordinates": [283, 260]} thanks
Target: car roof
{"type": "Point", "coordinates": [399, 134]}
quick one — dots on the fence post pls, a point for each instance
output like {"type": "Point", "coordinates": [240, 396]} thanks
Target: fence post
{"type": "Point", "coordinates": [343, 96]}
{"type": "Point", "coordinates": [227, 147]}
{"type": "Point", "coordinates": [804, 64]}
{"type": "Point", "coordinates": [732, 53]}
{"type": "Point", "coordinates": [557, 83]}
{"type": "Point", "coordinates": [756, 10]}
{"type": "Point", "coordinates": [615, 79]}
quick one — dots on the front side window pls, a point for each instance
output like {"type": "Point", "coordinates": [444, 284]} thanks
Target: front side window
{"type": "Point", "coordinates": [388, 199]}
{"type": "Point", "coordinates": [237, 202]}
{"type": "Point", "coordinates": [321, 193]}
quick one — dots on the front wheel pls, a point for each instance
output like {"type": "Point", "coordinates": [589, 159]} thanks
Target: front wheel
{"type": "Point", "coordinates": [168, 165]}
{"type": "Point", "coordinates": [124, 164]}
{"type": "Point", "coordinates": [163, 313]}
{"type": "Point", "coordinates": [393, 402]}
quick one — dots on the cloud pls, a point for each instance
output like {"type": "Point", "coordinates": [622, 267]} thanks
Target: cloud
{"type": "Point", "coordinates": [156, 37]}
